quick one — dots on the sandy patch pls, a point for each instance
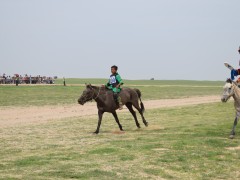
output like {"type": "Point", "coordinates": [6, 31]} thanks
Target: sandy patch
{"type": "Point", "coordinates": [130, 85]}
{"type": "Point", "coordinates": [233, 148]}
{"type": "Point", "coordinates": [118, 132]}
{"type": "Point", "coordinates": [160, 149]}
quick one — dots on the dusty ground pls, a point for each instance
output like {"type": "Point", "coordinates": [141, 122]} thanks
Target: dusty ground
{"type": "Point", "coordinates": [14, 116]}
{"type": "Point", "coordinates": [132, 85]}
{"type": "Point", "coordinates": [233, 148]}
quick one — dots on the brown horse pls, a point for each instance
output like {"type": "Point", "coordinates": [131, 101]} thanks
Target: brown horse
{"type": "Point", "coordinates": [106, 103]}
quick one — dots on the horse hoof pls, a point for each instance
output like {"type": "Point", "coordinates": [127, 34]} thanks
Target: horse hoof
{"type": "Point", "coordinates": [231, 136]}
{"type": "Point", "coordinates": [146, 124]}
{"type": "Point", "coordinates": [121, 130]}
{"type": "Point", "coordinates": [96, 132]}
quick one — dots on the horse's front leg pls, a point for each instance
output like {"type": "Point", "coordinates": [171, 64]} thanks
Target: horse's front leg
{"type": "Point", "coordinates": [234, 127]}
{"type": "Point", "coordinates": [100, 115]}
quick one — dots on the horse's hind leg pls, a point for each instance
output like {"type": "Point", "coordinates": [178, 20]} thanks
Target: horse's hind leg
{"type": "Point", "coordinates": [117, 120]}
{"type": "Point", "coordinates": [233, 129]}
{"type": "Point", "coordinates": [136, 105]}
{"type": "Point", "coordinates": [130, 108]}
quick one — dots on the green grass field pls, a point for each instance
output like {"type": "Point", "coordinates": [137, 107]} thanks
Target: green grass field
{"type": "Point", "coordinates": [180, 143]}
{"type": "Point", "coordinates": [52, 95]}
{"type": "Point", "coordinates": [143, 82]}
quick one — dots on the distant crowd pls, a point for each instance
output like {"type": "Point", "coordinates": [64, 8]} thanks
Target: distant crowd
{"type": "Point", "coordinates": [26, 79]}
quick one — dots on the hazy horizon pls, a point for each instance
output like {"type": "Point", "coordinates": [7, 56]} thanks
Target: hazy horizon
{"type": "Point", "coordinates": [165, 40]}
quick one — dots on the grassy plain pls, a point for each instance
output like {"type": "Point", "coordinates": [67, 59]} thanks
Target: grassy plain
{"type": "Point", "coordinates": [180, 143]}
{"type": "Point", "coordinates": [53, 95]}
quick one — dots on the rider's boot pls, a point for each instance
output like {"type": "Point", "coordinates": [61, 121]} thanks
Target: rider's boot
{"type": "Point", "coordinates": [118, 101]}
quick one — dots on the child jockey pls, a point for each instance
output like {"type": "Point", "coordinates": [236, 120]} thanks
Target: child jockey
{"type": "Point", "coordinates": [114, 83]}
{"type": "Point", "coordinates": [235, 72]}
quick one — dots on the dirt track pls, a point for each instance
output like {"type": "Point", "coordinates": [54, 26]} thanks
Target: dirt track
{"type": "Point", "coordinates": [12, 116]}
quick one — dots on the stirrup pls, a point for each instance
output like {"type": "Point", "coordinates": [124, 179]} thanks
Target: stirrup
{"type": "Point", "coordinates": [120, 107]}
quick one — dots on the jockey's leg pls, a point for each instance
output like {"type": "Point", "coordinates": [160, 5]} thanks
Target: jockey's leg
{"type": "Point", "coordinates": [235, 73]}
{"type": "Point", "coordinates": [115, 95]}
{"type": "Point", "coordinates": [117, 98]}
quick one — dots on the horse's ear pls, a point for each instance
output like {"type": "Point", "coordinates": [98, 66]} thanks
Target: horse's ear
{"type": "Point", "coordinates": [89, 86]}
{"type": "Point", "coordinates": [229, 81]}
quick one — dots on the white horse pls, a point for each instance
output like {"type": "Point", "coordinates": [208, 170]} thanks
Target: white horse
{"type": "Point", "coordinates": [232, 90]}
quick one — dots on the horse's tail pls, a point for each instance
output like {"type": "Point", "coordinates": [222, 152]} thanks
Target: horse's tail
{"type": "Point", "coordinates": [139, 96]}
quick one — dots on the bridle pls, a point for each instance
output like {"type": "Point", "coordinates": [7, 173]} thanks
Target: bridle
{"type": "Point", "coordinates": [91, 98]}
{"type": "Point", "coordinates": [97, 94]}
{"type": "Point", "coordinates": [233, 91]}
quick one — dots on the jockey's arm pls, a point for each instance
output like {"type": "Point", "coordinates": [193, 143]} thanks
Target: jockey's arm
{"type": "Point", "coordinates": [119, 79]}
{"type": "Point", "coordinates": [107, 84]}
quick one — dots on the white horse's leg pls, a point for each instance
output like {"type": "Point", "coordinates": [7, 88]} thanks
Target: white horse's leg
{"type": "Point", "coordinates": [234, 127]}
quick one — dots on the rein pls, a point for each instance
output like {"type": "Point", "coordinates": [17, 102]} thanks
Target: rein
{"type": "Point", "coordinates": [97, 94]}
{"type": "Point", "coordinates": [236, 91]}
{"type": "Point", "coordinates": [92, 97]}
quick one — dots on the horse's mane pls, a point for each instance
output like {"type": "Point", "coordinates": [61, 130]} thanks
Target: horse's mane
{"type": "Point", "coordinates": [236, 88]}
{"type": "Point", "coordinates": [97, 87]}
{"type": "Point", "coordinates": [91, 86]}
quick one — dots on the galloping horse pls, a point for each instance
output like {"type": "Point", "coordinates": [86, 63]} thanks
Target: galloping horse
{"type": "Point", "coordinates": [106, 102]}
{"type": "Point", "coordinates": [232, 90]}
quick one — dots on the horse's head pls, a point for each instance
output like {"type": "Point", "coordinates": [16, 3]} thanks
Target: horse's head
{"type": "Point", "coordinates": [228, 90]}
{"type": "Point", "coordinates": [87, 94]}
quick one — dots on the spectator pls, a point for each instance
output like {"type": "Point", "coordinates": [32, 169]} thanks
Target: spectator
{"type": "Point", "coordinates": [64, 81]}
{"type": "Point", "coordinates": [17, 79]}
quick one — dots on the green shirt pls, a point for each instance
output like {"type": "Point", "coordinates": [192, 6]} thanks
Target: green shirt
{"type": "Point", "coordinates": [114, 80]}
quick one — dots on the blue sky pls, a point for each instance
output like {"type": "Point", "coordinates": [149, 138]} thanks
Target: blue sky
{"type": "Point", "coordinates": [164, 39]}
